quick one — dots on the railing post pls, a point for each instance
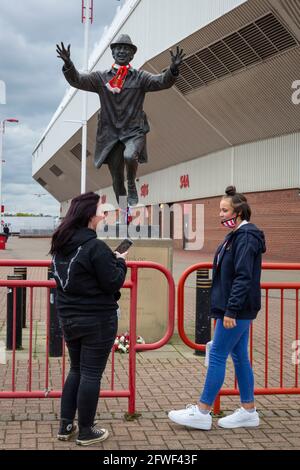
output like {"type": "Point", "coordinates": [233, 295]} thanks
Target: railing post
{"type": "Point", "coordinates": [10, 309]}
{"type": "Point", "coordinates": [202, 321]}
{"type": "Point", "coordinates": [55, 332]}
{"type": "Point", "coordinates": [132, 340]}
{"type": "Point", "coordinates": [217, 405]}
{"type": "Point", "coordinates": [22, 271]}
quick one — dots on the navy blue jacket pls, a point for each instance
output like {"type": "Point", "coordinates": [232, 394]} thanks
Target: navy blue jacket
{"type": "Point", "coordinates": [235, 290]}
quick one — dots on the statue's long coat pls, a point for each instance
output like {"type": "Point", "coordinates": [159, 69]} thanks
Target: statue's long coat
{"type": "Point", "coordinates": [121, 117]}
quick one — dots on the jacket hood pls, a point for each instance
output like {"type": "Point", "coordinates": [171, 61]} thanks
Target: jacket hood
{"type": "Point", "coordinates": [78, 238]}
{"type": "Point", "coordinates": [259, 234]}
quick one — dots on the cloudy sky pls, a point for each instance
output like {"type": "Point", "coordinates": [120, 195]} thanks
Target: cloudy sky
{"type": "Point", "coordinates": [29, 31]}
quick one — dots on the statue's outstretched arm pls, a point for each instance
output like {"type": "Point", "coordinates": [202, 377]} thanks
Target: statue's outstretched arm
{"type": "Point", "coordinates": [176, 59]}
{"type": "Point", "coordinates": [151, 82]}
{"type": "Point", "coordinates": [64, 54]}
{"type": "Point", "coordinates": [82, 81]}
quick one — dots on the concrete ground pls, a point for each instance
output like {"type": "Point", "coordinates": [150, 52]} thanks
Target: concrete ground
{"type": "Point", "coordinates": [168, 378]}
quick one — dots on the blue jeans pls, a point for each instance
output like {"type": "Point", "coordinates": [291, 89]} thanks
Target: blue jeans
{"type": "Point", "coordinates": [89, 348]}
{"type": "Point", "coordinates": [232, 341]}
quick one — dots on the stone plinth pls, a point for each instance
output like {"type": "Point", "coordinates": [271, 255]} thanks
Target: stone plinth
{"type": "Point", "coordinates": [152, 303]}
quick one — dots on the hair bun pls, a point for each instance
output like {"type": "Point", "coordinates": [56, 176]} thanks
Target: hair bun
{"type": "Point", "coordinates": [230, 190]}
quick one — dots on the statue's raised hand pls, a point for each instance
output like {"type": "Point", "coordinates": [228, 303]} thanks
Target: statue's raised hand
{"type": "Point", "coordinates": [176, 59]}
{"type": "Point", "coordinates": [64, 53]}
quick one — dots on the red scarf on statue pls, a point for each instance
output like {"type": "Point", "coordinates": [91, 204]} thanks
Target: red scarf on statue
{"type": "Point", "coordinates": [115, 85]}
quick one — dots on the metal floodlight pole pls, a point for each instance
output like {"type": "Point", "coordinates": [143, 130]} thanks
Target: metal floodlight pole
{"type": "Point", "coordinates": [86, 18]}
{"type": "Point", "coordinates": [2, 92]}
{"type": "Point", "coordinates": [2, 130]}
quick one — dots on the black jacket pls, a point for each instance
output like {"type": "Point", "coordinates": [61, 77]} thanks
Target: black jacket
{"type": "Point", "coordinates": [235, 288]}
{"type": "Point", "coordinates": [88, 277]}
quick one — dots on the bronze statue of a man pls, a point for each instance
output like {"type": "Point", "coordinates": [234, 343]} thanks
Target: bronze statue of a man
{"type": "Point", "coordinates": [122, 123]}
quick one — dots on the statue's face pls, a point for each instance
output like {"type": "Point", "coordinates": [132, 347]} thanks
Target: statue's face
{"type": "Point", "coordinates": [122, 54]}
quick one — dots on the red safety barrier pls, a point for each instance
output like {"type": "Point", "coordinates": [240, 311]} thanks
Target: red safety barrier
{"type": "Point", "coordinates": [132, 284]}
{"type": "Point", "coordinates": [267, 286]}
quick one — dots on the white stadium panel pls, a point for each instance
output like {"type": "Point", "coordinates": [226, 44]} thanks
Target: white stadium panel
{"type": "Point", "coordinates": [165, 185]}
{"type": "Point", "coordinates": [268, 165]}
{"type": "Point", "coordinates": [259, 166]}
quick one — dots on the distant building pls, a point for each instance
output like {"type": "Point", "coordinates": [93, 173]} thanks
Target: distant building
{"type": "Point", "coordinates": [42, 225]}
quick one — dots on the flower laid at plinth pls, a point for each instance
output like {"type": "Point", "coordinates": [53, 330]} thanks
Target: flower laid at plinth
{"type": "Point", "coordinates": [122, 343]}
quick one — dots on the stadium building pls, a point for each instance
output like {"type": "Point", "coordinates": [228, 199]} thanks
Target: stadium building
{"type": "Point", "coordinates": [233, 116]}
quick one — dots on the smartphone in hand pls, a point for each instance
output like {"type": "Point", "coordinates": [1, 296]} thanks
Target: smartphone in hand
{"type": "Point", "coordinates": [124, 246]}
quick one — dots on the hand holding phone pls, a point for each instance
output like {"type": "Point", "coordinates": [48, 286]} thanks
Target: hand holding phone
{"type": "Point", "coordinates": [124, 246]}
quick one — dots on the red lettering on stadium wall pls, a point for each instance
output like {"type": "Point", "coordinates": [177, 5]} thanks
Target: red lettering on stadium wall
{"type": "Point", "coordinates": [145, 190]}
{"type": "Point", "coordinates": [184, 181]}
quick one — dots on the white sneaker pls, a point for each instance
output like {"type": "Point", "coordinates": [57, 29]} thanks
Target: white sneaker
{"type": "Point", "coordinates": [192, 417]}
{"type": "Point", "coordinates": [241, 418]}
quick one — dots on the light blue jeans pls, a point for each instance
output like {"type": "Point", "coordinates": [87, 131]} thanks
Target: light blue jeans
{"type": "Point", "coordinates": [232, 341]}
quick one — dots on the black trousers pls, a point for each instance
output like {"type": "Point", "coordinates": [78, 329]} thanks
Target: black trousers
{"type": "Point", "coordinates": [89, 348]}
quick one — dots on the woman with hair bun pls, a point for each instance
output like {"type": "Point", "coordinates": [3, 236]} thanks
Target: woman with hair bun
{"type": "Point", "coordinates": [235, 303]}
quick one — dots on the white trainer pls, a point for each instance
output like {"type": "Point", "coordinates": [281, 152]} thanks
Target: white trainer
{"type": "Point", "coordinates": [241, 418]}
{"type": "Point", "coordinates": [192, 417]}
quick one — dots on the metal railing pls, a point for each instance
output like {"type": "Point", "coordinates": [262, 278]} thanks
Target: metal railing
{"type": "Point", "coordinates": [267, 286]}
{"type": "Point", "coordinates": [131, 284]}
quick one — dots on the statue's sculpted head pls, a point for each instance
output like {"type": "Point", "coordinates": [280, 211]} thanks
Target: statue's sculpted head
{"type": "Point", "coordinates": [122, 54]}
{"type": "Point", "coordinates": [123, 50]}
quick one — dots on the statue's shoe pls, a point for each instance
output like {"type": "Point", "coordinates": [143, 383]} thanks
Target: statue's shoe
{"type": "Point", "coordinates": [132, 198]}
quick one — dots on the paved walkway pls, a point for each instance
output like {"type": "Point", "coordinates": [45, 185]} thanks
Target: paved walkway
{"type": "Point", "coordinates": [168, 378]}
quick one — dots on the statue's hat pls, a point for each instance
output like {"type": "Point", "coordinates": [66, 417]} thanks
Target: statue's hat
{"type": "Point", "coordinates": [124, 39]}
